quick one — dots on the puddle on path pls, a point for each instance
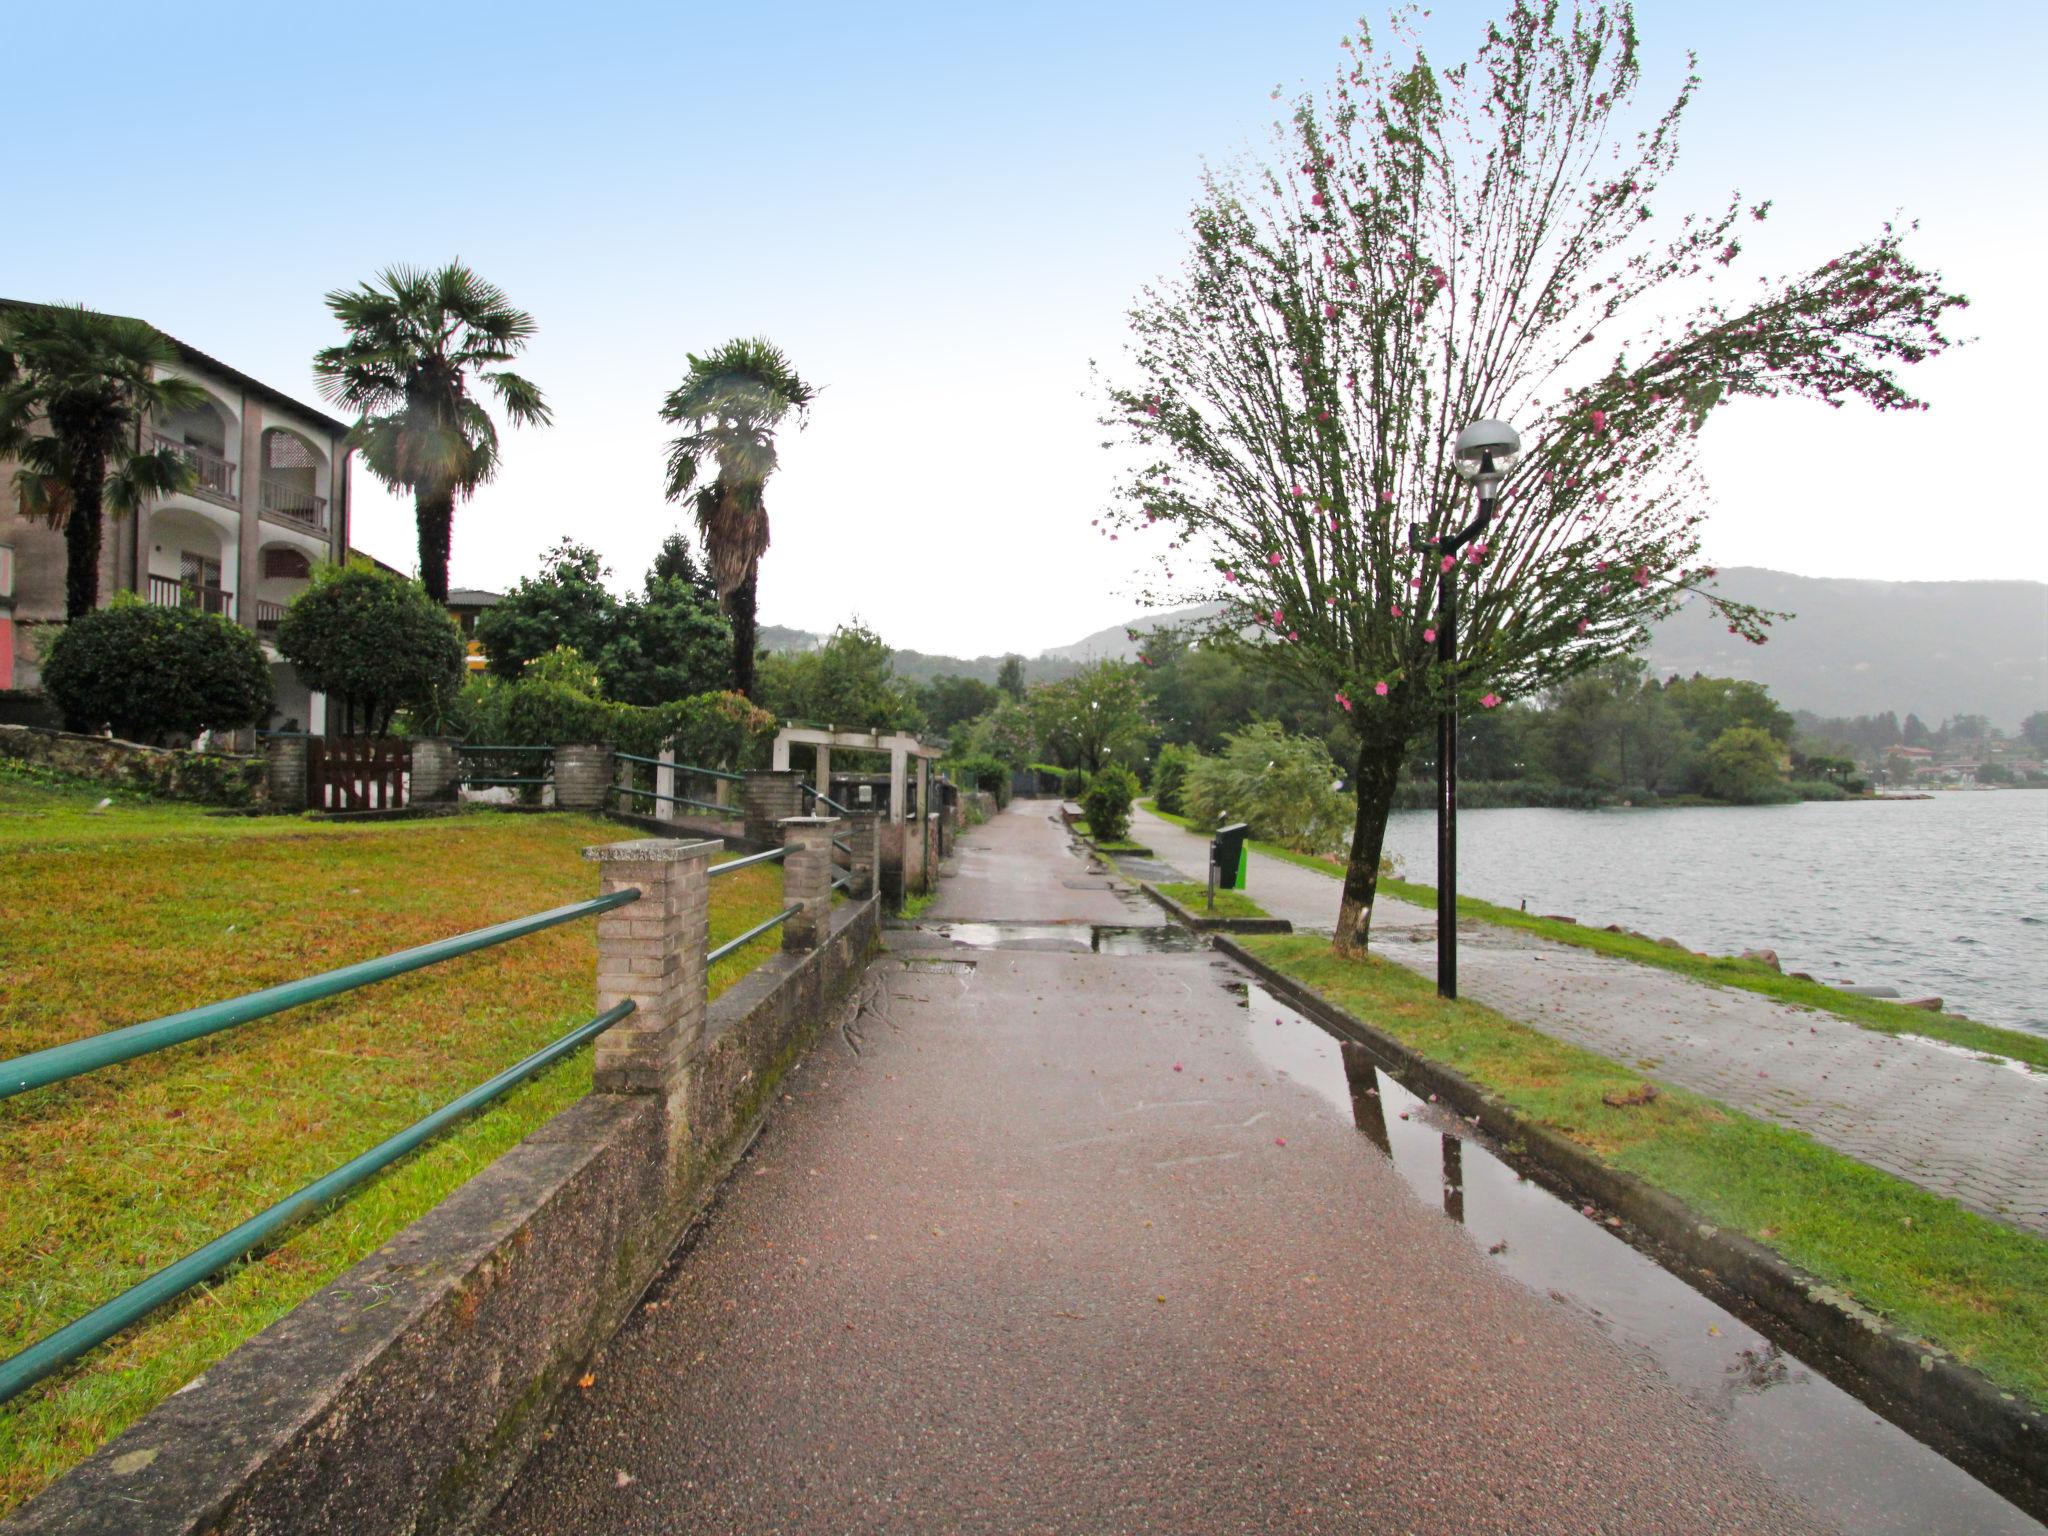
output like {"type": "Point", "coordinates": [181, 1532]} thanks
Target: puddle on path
{"type": "Point", "coordinates": [1823, 1447]}
{"type": "Point", "coordinates": [1100, 938]}
{"type": "Point", "coordinates": [937, 965]}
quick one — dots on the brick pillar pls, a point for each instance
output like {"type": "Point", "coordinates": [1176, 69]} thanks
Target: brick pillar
{"type": "Point", "coordinates": [652, 951]}
{"type": "Point", "coordinates": [807, 879]}
{"type": "Point", "coordinates": [436, 772]}
{"type": "Point", "coordinates": [285, 771]}
{"type": "Point", "coordinates": [583, 775]}
{"type": "Point", "coordinates": [769, 797]}
{"type": "Point", "coordinates": [861, 828]}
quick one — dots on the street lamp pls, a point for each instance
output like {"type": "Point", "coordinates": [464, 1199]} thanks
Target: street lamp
{"type": "Point", "coordinates": [1483, 455]}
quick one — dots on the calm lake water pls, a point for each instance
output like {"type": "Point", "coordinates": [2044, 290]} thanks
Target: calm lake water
{"type": "Point", "coordinates": [1947, 896]}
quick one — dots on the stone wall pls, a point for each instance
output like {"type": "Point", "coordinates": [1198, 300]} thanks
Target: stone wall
{"type": "Point", "coordinates": [403, 1397]}
{"type": "Point", "coordinates": [211, 778]}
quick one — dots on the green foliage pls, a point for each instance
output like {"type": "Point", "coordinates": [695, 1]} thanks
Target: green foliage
{"type": "Point", "coordinates": [1283, 786]}
{"type": "Point", "coordinates": [1106, 802]}
{"type": "Point", "coordinates": [1170, 776]}
{"type": "Point", "coordinates": [150, 673]}
{"type": "Point", "coordinates": [2034, 730]}
{"type": "Point", "coordinates": [1742, 765]}
{"type": "Point", "coordinates": [565, 665]}
{"type": "Point", "coordinates": [710, 730]}
{"type": "Point", "coordinates": [1011, 677]}
{"type": "Point", "coordinates": [671, 643]}
{"type": "Point", "coordinates": [417, 340]}
{"type": "Point", "coordinates": [950, 702]}
{"type": "Point", "coordinates": [373, 641]}
{"type": "Point", "coordinates": [75, 388]}
{"type": "Point", "coordinates": [849, 681]}
{"type": "Point", "coordinates": [1098, 714]}
{"type": "Point", "coordinates": [1994, 773]}
{"type": "Point", "coordinates": [1006, 733]}
{"type": "Point", "coordinates": [983, 773]}
{"type": "Point", "coordinates": [565, 604]}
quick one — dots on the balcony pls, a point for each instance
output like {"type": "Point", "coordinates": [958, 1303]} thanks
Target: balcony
{"type": "Point", "coordinates": [295, 505]}
{"type": "Point", "coordinates": [268, 616]}
{"type": "Point", "coordinates": [169, 592]}
{"type": "Point", "coordinates": [216, 474]}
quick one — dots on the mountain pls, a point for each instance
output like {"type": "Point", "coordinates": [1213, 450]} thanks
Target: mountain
{"type": "Point", "coordinates": [1931, 648]}
{"type": "Point", "coordinates": [1934, 648]}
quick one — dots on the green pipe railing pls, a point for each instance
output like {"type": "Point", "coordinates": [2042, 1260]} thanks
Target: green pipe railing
{"type": "Point", "coordinates": [691, 768]}
{"type": "Point", "coordinates": [655, 794]}
{"type": "Point", "coordinates": [39, 1069]}
{"type": "Point", "coordinates": [712, 957]}
{"type": "Point", "coordinates": [103, 1322]}
{"type": "Point", "coordinates": [824, 799]}
{"type": "Point", "coordinates": [771, 856]}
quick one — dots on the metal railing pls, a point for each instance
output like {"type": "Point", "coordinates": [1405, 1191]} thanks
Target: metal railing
{"type": "Point", "coordinates": [824, 799]}
{"type": "Point", "coordinates": [731, 946]}
{"type": "Point", "coordinates": [216, 475]}
{"type": "Point", "coordinates": [294, 504]}
{"type": "Point", "coordinates": [268, 615]}
{"type": "Point", "coordinates": [58, 1063]}
{"type": "Point", "coordinates": [471, 756]}
{"type": "Point", "coordinates": [170, 592]}
{"type": "Point", "coordinates": [637, 794]}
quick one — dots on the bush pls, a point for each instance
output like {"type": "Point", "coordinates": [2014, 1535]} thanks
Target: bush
{"type": "Point", "coordinates": [1818, 789]}
{"type": "Point", "coordinates": [372, 641]}
{"type": "Point", "coordinates": [1170, 777]}
{"type": "Point", "coordinates": [983, 773]}
{"type": "Point", "coordinates": [150, 673]}
{"type": "Point", "coordinates": [712, 730]}
{"type": "Point", "coordinates": [1106, 802]}
{"type": "Point", "coordinates": [1283, 786]}
{"type": "Point", "coordinates": [564, 665]}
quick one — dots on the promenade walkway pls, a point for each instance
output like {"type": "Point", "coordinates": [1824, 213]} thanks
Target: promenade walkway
{"type": "Point", "coordinates": [1045, 1244]}
{"type": "Point", "coordinates": [1973, 1130]}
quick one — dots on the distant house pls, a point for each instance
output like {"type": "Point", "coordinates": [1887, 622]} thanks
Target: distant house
{"type": "Point", "coordinates": [466, 605]}
{"type": "Point", "coordinates": [271, 498]}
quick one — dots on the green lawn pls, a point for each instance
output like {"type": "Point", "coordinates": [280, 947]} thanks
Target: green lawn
{"type": "Point", "coordinates": [1194, 895]}
{"type": "Point", "coordinates": [1720, 970]}
{"type": "Point", "coordinates": [1972, 1285]}
{"type": "Point", "coordinates": [117, 915]}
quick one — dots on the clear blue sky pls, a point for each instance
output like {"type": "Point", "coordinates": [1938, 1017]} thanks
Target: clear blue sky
{"type": "Point", "coordinates": [941, 211]}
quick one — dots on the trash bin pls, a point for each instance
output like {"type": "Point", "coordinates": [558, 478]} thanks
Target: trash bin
{"type": "Point", "coordinates": [1227, 857]}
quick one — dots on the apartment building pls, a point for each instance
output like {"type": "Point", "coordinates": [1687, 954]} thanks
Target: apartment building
{"type": "Point", "coordinates": [271, 497]}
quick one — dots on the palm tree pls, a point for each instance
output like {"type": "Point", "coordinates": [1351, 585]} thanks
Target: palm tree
{"type": "Point", "coordinates": [75, 389]}
{"type": "Point", "coordinates": [732, 402]}
{"type": "Point", "coordinates": [415, 341]}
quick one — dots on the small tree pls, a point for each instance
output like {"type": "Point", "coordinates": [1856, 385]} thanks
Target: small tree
{"type": "Point", "coordinates": [1099, 713]}
{"type": "Point", "coordinates": [1170, 777]}
{"type": "Point", "coordinates": [373, 642]}
{"type": "Point", "coordinates": [1106, 802]}
{"type": "Point", "coordinates": [149, 673]}
{"type": "Point", "coordinates": [1742, 764]}
{"type": "Point", "coordinates": [1442, 246]}
{"type": "Point", "coordinates": [1284, 787]}
{"type": "Point", "coordinates": [565, 603]}
{"type": "Point", "coordinates": [671, 642]}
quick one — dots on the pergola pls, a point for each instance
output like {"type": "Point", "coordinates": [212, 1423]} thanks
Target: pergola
{"type": "Point", "coordinates": [901, 747]}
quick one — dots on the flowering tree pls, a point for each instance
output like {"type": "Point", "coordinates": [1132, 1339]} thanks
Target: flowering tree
{"type": "Point", "coordinates": [1443, 246]}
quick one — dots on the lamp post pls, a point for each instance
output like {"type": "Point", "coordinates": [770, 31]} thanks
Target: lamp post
{"type": "Point", "coordinates": [1483, 455]}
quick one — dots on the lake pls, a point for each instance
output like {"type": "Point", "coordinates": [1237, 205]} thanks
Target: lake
{"type": "Point", "coordinates": [1945, 896]}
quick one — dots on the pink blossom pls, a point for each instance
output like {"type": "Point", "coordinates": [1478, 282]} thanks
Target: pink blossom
{"type": "Point", "coordinates": [1473, 556]}
{"type": "Point", "coordinates": [1416, 309]}
{"type": "Point", "coordinates": [1329, 311]}
{"type": "Point", "coordinates": [1449, 561]}
{"type": "Point", "coordinates": [1489, 701]}
{"type": "Point", "coordinates": [1386, 498]}
{"type": "Point", "coordinates": [1642, 575]}
{"type": "Point", "coordinates": [1550, 477]}
{"type": "Point", "coordinates": [1415, 583]}
{"type": "Point", "coordinates": [1438, 276]}
{"type": "Point", "coordinates": [1230, 575]}
{"type": "Point", "coordinates": [1345, 700]}
{"type": "Point", "coordinates": [1584, 625]}
{"type": "Point", "coordinates": [1291, 635]}
{"type": "Point", "coordinates": [1479, 548]}
{"type": "Point", "coordinates": [1277, 620]}
{"type": "Point", "coordinates": [1151, 407]}
{"type": "Point", "coordinates": [1380, 689]}
{"type": "Point", "coordinates": [1298, 491]}
{"type": "Point", "coordinates": [1599, 565]}
{"type": "Point", "coordinates": [1273, 558]}
{"type": "Point", "coordinates": [1599, 421]}
{"type": "Point", "coordinates": [1429, 634]}
{"type": "Point", "coordinates": [1317, 200]}
{"type": "Point", "coordinates": [1397, 610]}
{"type": "Point", "coordinates": [1599, 498]}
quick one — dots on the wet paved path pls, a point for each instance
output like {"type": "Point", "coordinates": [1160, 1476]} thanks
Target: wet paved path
{"type": "Point", "coordinates": [1061, 1251]}
{"type": "Point", "coordinates": [1972, 1130]}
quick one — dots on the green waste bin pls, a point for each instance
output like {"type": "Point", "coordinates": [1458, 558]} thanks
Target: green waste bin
{"type": "Point", "coordinates": [1227, 856]}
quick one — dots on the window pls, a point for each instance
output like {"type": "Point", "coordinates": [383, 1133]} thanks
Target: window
{"type": "Point", "coordinates": [286, 564]}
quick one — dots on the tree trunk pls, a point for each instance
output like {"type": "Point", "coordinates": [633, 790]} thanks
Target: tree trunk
{"type": "Point", "coordinates": [1379, 766]}
{"type": "Point", "coordinates": [743, 599]}
{"type": "Point", "coordinates": [82, 535]}
{"type": "Point", "coordinates": [435, 513]}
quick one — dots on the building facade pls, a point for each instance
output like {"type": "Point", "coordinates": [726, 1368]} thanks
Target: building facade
{"type": "Point", "coordinates": [271, 498]}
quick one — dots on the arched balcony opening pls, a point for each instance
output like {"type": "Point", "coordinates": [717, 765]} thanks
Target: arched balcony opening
{"type": "Point", "coordinates": [294, 480]}
{"type": "Point", "coordinates": [190, 562]}
{"type": "Point", "coordinates": [282, 571]}
{"type": "Point", "coordinates": [200, 435]}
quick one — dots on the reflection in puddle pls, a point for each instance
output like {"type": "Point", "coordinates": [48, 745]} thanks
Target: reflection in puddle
{"type": "Point", "coordinates": [1155, 939]}
{"type": "Point", "coordinates": [938, 965]}
{"type": "Point", "coordinates": [1823, 1447]}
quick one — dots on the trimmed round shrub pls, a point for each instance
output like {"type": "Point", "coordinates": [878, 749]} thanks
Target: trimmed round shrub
{"type": "Point", "coordinates": [1106, 802]}
{"type": "Point", "coordinates": [148, 673]}
{"type": "Point", "coordinates": [372, 641]}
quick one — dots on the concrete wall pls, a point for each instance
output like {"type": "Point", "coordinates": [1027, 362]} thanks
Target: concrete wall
{"type": "Point", "coordinates": [404, 1397]}
{"type": "Point", "coordinates": [211, 778]}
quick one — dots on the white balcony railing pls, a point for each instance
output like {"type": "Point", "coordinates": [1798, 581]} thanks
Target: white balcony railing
{"type": "Point", "coordinates": [216, 474]}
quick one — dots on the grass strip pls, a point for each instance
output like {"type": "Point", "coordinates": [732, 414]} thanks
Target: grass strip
{"type": "Point", "coordinates": [1973, 1286]}
{"type": "Point", "coordinates": [1871, 1013]}
{"type": "Point", "coordinates": [1195, 897]}
{"type": "Point", "coordinates": [115, 918]}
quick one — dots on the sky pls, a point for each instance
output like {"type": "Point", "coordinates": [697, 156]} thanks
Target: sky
{"type": "Point", "coordinates": [942, 212]}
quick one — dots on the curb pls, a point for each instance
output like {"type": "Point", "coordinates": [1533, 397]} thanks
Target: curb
{"type": "Point", "coordinates": [1202, 923]}
{"type": "Point", "coordinates": [1988, 1431]}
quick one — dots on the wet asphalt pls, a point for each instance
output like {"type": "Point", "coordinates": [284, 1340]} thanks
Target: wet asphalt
{"type": "Point", "coordinates": [1055, 1250]}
